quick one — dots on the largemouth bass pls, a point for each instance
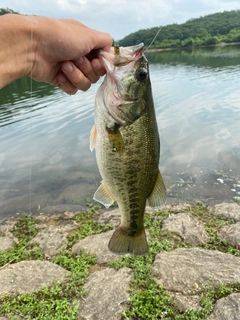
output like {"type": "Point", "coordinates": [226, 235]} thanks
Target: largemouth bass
{"type": "Point", "coordinates": [125, 137]}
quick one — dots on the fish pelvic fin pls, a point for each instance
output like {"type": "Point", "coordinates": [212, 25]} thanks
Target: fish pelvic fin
{"type": "Point", "coordinates": [121, 242]}
{"type": "Point", "coordinates": [93, 138]}
{"type": "Point", "coordinates": [103, 196]}
{"type": "Point", "coordinates": [158, 196]}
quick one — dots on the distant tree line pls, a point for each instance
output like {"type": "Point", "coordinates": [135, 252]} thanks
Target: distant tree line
{"type": "Point", "coordinates": [6, 10]}
{"type": "Point", "coordinates": [207, 30]}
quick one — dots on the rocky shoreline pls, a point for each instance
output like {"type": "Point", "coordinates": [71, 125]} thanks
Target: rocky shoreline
{"type": "Point", "coordinates": [182, 272]}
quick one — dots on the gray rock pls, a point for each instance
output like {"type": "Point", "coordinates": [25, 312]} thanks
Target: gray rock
{"type": "Point", "coordinates": [107, 295]}
{"type": "Point", "coordinates": [23, 204]}
{"type": "Point", "coordinates": [227, 308]}
{"type": "Point", "coordinates": [184, 302]}
{"type": "Point", "coordinates": [227, 211]}
{"type": "Point", "coordinates": [185, 270]}
{"type": "Point", "coordinates": [14, 317]}
{"type": "Point", "coordinates": [231, 234]}
{"type": "Point", "coordinates": [29, 276]}
{"type": "Point", "coordinates": [77, 192]}
{"type": "Point", "coordinates": [186, 227]}
{"type": "Point", "coordinates": [45, 219]}
{"type": "Point", "coordinates": [61, 208]}
{"type": "Point", "coordinates": [6, 225]}
{"type": "Point", "coordinates": [96, 244]}
{"type": "Point", "coordinates": [6, 236]}
{"type": "Point", "coordinates": [111, 217]}
{"type": "Point", "coordinates": [154, 210]}
{"type": "Point", "coordinates": [52, 238]}
{"type": "Point", "coordinates": [6, 242]}
{"type": "Point", "coordinates": [180, 207]}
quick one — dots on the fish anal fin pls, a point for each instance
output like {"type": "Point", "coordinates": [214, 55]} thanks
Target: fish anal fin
{"type": "Point", "coordinates": [121, 242]}
{"type": "Point", "coordinates": [103, 196]}
{"type": "Point", "coordinates": [93, 138]}
{"type": "Point", "coordinates": [158, 196]}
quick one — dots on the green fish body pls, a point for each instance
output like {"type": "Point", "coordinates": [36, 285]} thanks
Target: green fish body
{"type": "Point", "coordinates": [125, 137]}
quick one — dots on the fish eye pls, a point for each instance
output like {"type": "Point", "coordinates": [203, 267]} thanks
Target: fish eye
{"type": "Point", "coordinates": [141, 74]}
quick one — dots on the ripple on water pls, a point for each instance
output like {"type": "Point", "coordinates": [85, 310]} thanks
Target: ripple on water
{"type": "Point", "coordinates": [45, 134]}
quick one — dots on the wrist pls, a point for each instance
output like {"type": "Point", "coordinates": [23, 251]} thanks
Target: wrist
{"type": "Point", "coordinates": [16, 47]}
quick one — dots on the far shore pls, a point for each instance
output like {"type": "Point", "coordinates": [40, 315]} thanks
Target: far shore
{"type": "Point", "coordinates": [221, 44]}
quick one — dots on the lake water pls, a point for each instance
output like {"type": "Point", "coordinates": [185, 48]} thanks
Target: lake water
{"type": "Point", "coordinates": [45, 161]}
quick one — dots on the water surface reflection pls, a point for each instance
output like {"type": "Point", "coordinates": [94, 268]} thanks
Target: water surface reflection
{"type": "Point", "coordinates": [45, 161]}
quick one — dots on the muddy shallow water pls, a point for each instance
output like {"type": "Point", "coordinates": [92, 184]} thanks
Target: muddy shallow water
{"type": "Point", "coordinates": [45, 161]}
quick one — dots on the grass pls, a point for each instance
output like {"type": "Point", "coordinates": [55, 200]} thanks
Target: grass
{"type": "Point", "coordinates": [212, 225]}
{"type": "Point", "coordinates": [59, 301]}
{"type": "Point", "coordinates": [24, 230]}
{"type": "Point", "coordinates": [148, 299]}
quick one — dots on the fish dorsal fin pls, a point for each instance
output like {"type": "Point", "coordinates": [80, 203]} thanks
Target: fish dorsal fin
{"type": "Point", "coordinates": [103, 196]}
{"type": "Point", "coordinates": [93, 138]}
{"type": "Point", "coordinates": [158, 196]}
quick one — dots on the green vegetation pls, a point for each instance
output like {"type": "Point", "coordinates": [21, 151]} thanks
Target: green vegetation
{"type": "Point", "coordinates": [87, 226]}
{"type": "Point", "coordinates": [207, 30]}
{"type": "Point", "coordinates": [212, 225]}
{"type": "Point", "coordinates": [6, 10]}
{"type": "Point", "coordinates": [222, 27]}
{"type": "Point", "coordinates": [148, 299]}
{"type": "Point", "coordinates": [24, 230]}
{"type": "Point", "coordinates": [59, 301]}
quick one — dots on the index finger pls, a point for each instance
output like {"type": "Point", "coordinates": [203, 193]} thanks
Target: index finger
{"type": "Point", "coordinates": [103, 41]}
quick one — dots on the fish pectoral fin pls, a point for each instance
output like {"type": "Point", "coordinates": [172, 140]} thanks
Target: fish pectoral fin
{"type": "Point", "coordinates": [115, 140]}
{"type": "Point", "coordinates": [158, 196]}
{"type": "Point", "coordinates": [121, 242]}
{"type": "Point", "coordinates": [93, 137]}
{"type": "Point", "coordinates": [103, 196]}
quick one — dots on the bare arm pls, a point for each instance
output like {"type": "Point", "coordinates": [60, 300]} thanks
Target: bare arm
{"type": "Point", "coordinates": [59, 51]}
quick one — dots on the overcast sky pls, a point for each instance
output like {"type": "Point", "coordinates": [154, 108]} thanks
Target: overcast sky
{"type": "Point", "coordinates": [121, 17]}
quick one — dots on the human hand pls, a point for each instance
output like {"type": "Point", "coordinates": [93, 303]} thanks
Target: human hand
{"type": "Point", "coordinates": [62, 52]}
{"type": "Point", "coordinates": [66, 53]}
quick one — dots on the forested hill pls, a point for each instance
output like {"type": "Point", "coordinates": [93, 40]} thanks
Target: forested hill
{"type": "Point", "coordinates": [6, 10]}
{"type": "Point", "coordinates": [207, 30]}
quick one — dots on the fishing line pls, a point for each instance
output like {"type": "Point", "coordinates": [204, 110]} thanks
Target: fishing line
{"type": "Point", "coordinates": [160, 28]}
{"type": "Point", "coordinates": [30, 120]}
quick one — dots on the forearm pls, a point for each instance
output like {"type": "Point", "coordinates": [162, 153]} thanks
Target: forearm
{"type": "Point", "coordinates": [16, 48]}
{"type": "Point", "coordinates": [62, 52]}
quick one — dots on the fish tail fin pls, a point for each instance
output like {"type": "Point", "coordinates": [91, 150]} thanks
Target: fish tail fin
{"type": "Point", "coordinates": [121, 242]}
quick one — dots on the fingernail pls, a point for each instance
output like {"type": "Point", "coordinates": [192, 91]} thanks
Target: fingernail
{"type": "Point", "coordinates": [61, 78]}
{"type": "Point", "coordinates": [67, 67]}
{"type": "Point", "coordinates": [79, 60]}
{"type": "Point", "coordinates": [96, 64]}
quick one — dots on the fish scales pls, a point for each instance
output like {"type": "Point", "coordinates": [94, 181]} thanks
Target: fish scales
{"type": "Point", "coordinates": [126, 140]}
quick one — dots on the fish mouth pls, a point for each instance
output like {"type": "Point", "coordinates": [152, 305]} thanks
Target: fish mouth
{"type": "Point", "coordinates": [131, 53]}
{"type": "Point", "coordinates": [119, 63]}
{"type": "Point", "coordinates": [122, 56]}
